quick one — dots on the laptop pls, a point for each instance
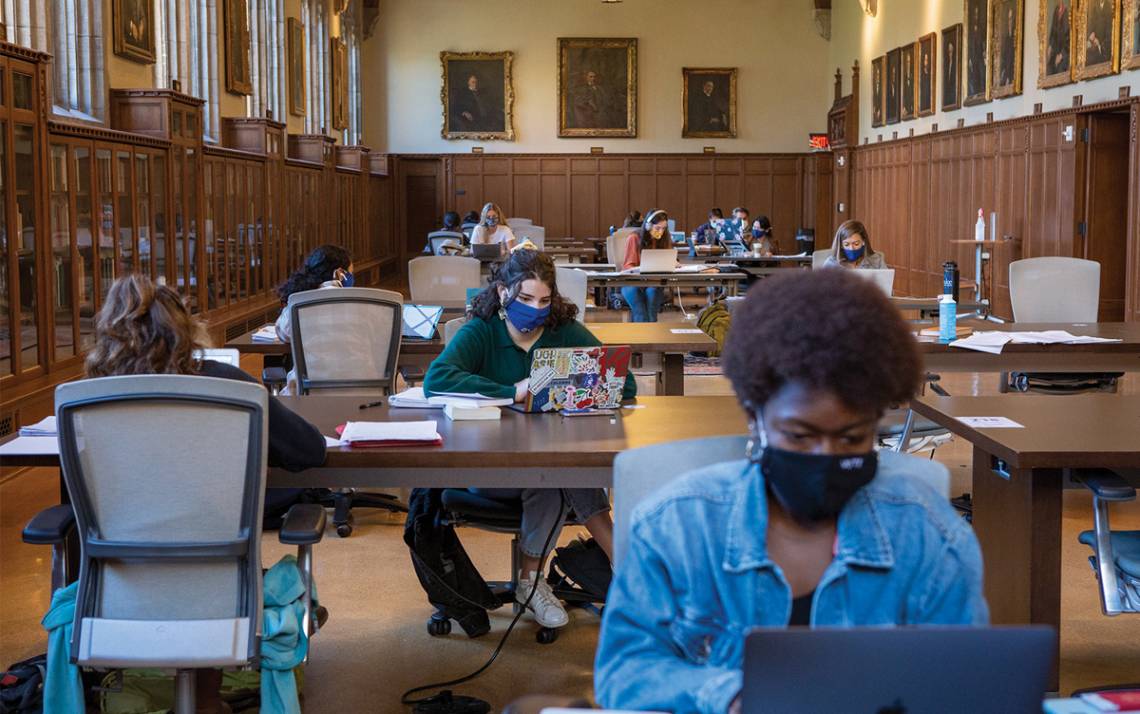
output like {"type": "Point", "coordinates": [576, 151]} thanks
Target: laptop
{"type": "Point", "coordinates": [576, 379]}
{"type": "Point", "coordinates": [897, 670]}
{"type": "Point", "coordinates": [420, 321]}
{"type": "Point", "coordinates": [659, 261]}
{"type": "Point", "coordinates": [884, 278]}
{"type": "Point", "coordinates": [486, 251]}
{"type": "Point", "coordinates": [220, 354]}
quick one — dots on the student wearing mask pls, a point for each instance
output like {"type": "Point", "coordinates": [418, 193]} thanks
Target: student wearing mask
{"type": "Point", "coordinates": [644, 303]}
{"type": "Point", "coordinates": [519, 312]}
{"type": "Point", "coordinates": [493, 228]}
{"type": "Point", "coordinates": [450, 221]}
{"type": "Point", "coordinates": [762, 236]}
{"type": "Point", "coordinates": [329, 266]}
{"type": "Point", "coordinates": [810, 527]}
{"type": "Point", "coordinates": [706, 232]}
{"type": "Point", "coordinates": [852, 249]}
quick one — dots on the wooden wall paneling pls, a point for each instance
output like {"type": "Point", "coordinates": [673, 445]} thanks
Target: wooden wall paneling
{"type": "Point", "coordinates": [613, 204]}
{"type": "Point", "coordinates": [553, 208]}
{"type": "Point", "coordinates": [784, 208]}
{"type": "Point", "coordinates": [700, 195]}
{"type": "Point", "coordinates": [1011, 201]}
{"type": "Point", "coordinates": [1133, 311]}
{"type": "Point", "coordinates": [642, 192]}
{"type": "Point", "coordinates": [526, 196]}
{"type": "Point", "coordinates": [584, 219]}
{"type": "Point", "coordinates": [670, 191]}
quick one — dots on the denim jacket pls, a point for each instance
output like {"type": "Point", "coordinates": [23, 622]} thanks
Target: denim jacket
{"type": "Point", "coordinates": [697, 577]}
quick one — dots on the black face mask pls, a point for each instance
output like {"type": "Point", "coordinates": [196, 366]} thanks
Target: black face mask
{"type": "Point", "coordinates": [814, 487]}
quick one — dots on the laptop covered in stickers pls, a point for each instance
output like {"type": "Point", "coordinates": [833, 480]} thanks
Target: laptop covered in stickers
{"type": "Point", "coordinates": [576, 379]}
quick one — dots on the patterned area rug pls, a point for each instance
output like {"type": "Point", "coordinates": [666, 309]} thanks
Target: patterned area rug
{"type": "Point", "coordinates": [702, 365]}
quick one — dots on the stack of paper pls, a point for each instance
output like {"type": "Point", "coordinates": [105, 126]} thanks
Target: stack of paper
{"type": "Point", "coordinates": [413, 398]}
{"type": "Point", "coordinates": [44, 427]}
{"type": "Point", "coordinates": [265, 333]}
{"type": "Point", "coordinates": [460, 413]}
{"type": "Point", "coordinates": [993, 341]}
{"type": "Point", "coordinates": [389, 433]}
{"type": "Point", "coordinates": [468, 401]}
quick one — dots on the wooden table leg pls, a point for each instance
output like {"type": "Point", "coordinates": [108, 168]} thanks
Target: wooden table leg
{"type": "Point", "coordinates": [1017, 519]}
{"type": "Point", "coordinates": [671, 378]}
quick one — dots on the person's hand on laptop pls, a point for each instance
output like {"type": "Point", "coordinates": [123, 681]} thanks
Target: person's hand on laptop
{"type": "Point", "coordinates": [521, 388]}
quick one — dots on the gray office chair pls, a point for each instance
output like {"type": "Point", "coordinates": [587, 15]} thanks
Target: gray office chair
{"type": "Point", "coordinates": [347, 341]}
{"type": "Point", "coordinates": [141, 601]}
{"type": "Point", "coordinates": [1116, 554]}
{"type": "Point", "coordinates": [446, 242]}
{"type": "Point", "coordinates": [438, 280]}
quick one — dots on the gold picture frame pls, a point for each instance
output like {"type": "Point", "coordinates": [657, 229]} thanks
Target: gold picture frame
{"type": "Point", "coordinates": [878, 91]}
{"type": "Point", "coordinates": [1007, 23]}
{"type": "Point", "coordinates": [1056, 55]}
{"type": "Point", "coordinates": [597, 87]}
{"type": "Point", "coordinates": [1130, 35]}
{"type": "Point", "coordinates": [704, 108]}
{"type": "Point", "coordinates": [926, 75]}
{"type": "Point", "coordinates": [908, 81]}
{"type": "Point", "coordinates": [951, 67]}
{"type": "Point", "coordinates": [296, 67]}
{"type": "Point", "coordinates": [338, 52]}
{"type": "Point", "coordinates": [1095, 58]}
{"type": "Point", "coordinates": [239, 79]}
{"type": "Point", "coordinates": [477, 95]}
{"type": "Point", "coordinates": [976, 38]}
{"type": "Point", "coordinates": [133, 30]}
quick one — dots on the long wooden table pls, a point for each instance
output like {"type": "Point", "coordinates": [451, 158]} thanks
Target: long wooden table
{"type": "Point", "coordinates": [728, 281]}
{"type": "Point", "coordinates": [1018, 476]}
{"type": "Point", "coordinates": [647, 338]}
{"type": "Point", "coordinates": [1123, 356]}
{"type": "Point", "coordinates": [754, 265]}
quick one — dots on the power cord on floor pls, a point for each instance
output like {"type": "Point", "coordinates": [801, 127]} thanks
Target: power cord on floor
{"type": "Point", "coordinates": [445, 702]}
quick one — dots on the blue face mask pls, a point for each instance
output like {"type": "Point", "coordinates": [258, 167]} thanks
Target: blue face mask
{"type": "Point", "coordinates": [526, 318]}
{"type": "Point", "coordinates": [853, 255]}
{"type": "Point", "coordinates": [757, 233]}
{"type": "Point", "coordinates": [348, 280]}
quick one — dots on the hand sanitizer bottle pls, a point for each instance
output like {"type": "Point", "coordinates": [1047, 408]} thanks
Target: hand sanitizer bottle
{"type": "Point", "coordinates": [947, 319]}
{"type": "Point", "coordinates": [980, 227]}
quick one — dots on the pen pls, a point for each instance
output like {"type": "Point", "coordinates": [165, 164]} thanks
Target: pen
{"type": "Point", "coordinates": [369, 405]}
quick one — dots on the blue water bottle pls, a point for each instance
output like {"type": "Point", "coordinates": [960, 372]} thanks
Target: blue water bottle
{"type": "Point", "coordinates": [947, 319]}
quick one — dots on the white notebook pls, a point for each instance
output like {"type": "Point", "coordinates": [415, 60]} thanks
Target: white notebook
{"type": "Point", "coordinates": [389, 431]}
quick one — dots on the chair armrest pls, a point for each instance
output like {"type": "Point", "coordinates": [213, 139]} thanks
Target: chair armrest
{"type": "Point", "coordinates": [50, 526]}
{"type": "Point", "coordinates": [274, 375]}
{"type": "Point", "coordinates": [1106, 485]}
{"type": "Point", "coordinates": [304, 524]}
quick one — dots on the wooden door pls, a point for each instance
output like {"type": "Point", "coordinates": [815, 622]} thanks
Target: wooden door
{"type": "Point", "coordinates": [423, 205]}
{"type": "Point", "coordinates": [1106, 209]}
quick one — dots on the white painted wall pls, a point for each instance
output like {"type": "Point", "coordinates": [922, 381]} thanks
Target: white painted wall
{"type": "Point", "coordinates": [784, 85]}
{"type": "Point", "coordinates": [858, 36]}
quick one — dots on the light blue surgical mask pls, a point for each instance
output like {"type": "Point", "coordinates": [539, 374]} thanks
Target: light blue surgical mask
{"type": "Point", "coordinates": [526, 318]}
{"type": "Point", "coordinates": [856, 254]}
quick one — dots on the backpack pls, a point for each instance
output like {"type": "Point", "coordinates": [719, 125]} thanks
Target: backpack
{"type": "Point", "coordinates": [22, 686]}
{"type": "Point", "coordinates": [714, 321]}
{"type": "Point", "coordinates": [580, 572]}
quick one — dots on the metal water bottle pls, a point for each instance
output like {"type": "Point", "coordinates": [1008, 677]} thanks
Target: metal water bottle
{"type": "Point", "coordinates": [950, 279]}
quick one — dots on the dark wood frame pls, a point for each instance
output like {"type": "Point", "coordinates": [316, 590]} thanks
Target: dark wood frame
{"type": "Point", "coordinates": [958, 32]}
{"type": "Point", "coordinates": [968, 99]}
{"type": "Point", "coordinates": [507, 58]}
{"type": "Point", "coordinates": [119, 40]}
{"type": "Point", "coordinates": [730, 132]}
{"type": "Point", "coordinates": [630, 45]}
{"type": "Point", "coordinates": [295, 61]}
{"type": "Point", "coordinates": [1014, 88]}
{"type": "Point", "coordinates": [895, 56]}
{"type": "Point", "coordinates": [1103, 69]}
{"type": "Point", "coordinates": [932, 38]}
{"type": "Point", "coordinates": [338, 64]}
{"type": "Point", "coordinates": [879, 67]}
{"type": "Point", "coordinates": [236, 12]}
{"type": "Point", "coordinates": [1059, 79]}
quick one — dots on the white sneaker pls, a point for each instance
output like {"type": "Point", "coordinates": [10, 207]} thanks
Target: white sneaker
{"type": "Point", "coordinates": [547, 609]}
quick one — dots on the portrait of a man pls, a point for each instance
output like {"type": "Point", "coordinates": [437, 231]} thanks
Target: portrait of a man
{"type": "Point", "coordinates": [894, 80]}
{"type": "Point", "coordinates": [877, 91]}
{"type": "Point", "coordinates": [1005, 48]}
{"type": "Point", "coordinates": [1056, 23]}
{"type": "Point", "coordinates": [1098, 38]}
{"type": "Point", "coordinates": [907, 93]}
{"type": "Point", "coordinates": [296, 66]}
{"type": "Point", "coordinates": [926, 76]}
{"type": "Point", "coordinates": [134, 30]}
{"type": "Point", "coordinates": [977, 51]}
{"type": "Point", "coordinates": [952, 68]}
{"type": "Point", "coordinates": [597, 87]}
{"type": "Point", "coordinates": [709, 102]}
{"type": "Point", "coordinates": [237, 44]}
{"type": "Point", "coordinates": [477, 95]}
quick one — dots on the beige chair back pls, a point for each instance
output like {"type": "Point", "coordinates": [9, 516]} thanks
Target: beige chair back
{"type": "Point", "coordinates": [451, 327]}
{"type": "Point", "coordinates": [437, 280]}
{"type": "Point", "coordinates": [1054, 289]}
{"type": "Point", "coordinates": [572, 285]}
{"type": "Point", "coordinates": [615, 246]}
{"type": "Point", "coordinates": [515, 222]}
{"type": "Point", "coordinates": [819, 257]}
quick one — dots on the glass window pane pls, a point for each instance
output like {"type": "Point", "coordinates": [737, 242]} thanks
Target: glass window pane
{"type": "Point", "coordinates": [142, 210]}
{"type": "Point", "coordinates": [21, 90]}
{"type": "Point", "coordinates": [158, 206]}
{"type": "Point", "coordinates": [84, 240]}
{"type": "Point", "coordinates": [60, 209]}
{"type": "Point", "coordinates": [106, 220]}
{"type": "Point", "coordinates": [124, 214]}
{"type": "Point", "coordinates": [5, 327]}
{"type": "Point", "coordinates": [23, 145]}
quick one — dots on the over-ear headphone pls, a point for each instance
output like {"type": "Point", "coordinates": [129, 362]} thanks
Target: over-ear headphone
{"type": "Point", "coordinates": [649, 219]}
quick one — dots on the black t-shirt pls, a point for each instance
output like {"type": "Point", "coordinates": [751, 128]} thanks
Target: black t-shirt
{"type": "Point", "coordinates": [294, 444]}
{"type": "Point", "coordinates": [801, 610]}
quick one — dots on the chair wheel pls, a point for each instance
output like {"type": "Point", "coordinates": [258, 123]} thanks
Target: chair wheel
{"type": "Point", "coordinates": [344, 530]}
{"type": "Point", "coordinates": [438, 627]}
{"type": "Point", "coordinates": [546, 635]}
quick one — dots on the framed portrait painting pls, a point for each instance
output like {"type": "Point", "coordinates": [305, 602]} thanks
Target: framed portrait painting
{"type": "Point", "coordinates": [952, 68]}
{"type": "Point", "coordinates": [907, 89]}
{"type": "Point", "coordinates": [477, 95]}
{"type": "Point", "coordinates": [133, 30]}
{"type": "Point", "coordinates": [708, 102]}
{"type": "Point", "coordinates": [238, 74]}
{"type": "Point", "coordinates": [597, 87]}
{"type": "Point", "coordinates": [296, 67]}
{"type": "Point", "coordinates": [1006, 28]}
{"type": "Point", "coordinates": [977, 52]}
{"type": "Point", "coordinates": [1098, 38]}
{"type": "Point", "coordinates": [339, 56]}
{"type": "Point", "coordinates": [877, 75]}
{"type": "Point", "coordinates": [1130, 36]}
{"type": "Point", "coordinates": [1055, 24]}
{"type": "Point", "coordinates": [927, 63]}
{"type": "Point", "coordinates": [891, 105]}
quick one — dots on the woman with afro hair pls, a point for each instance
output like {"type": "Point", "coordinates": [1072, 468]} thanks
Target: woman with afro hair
{"type": "Point", "coordinates": [811, 527]}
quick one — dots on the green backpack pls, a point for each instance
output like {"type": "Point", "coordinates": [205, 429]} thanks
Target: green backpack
{"type": "Point", "coordinates": [714, 321]}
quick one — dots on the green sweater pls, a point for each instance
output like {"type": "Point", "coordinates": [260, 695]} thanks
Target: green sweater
{"type": "Point", "coordinates": [481, 358]}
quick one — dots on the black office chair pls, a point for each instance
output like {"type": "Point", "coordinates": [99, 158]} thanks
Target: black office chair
{"type": "Point", "coordinates": [446, 242]}
{"type": "Point", "coordinates": [1116, 554]}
